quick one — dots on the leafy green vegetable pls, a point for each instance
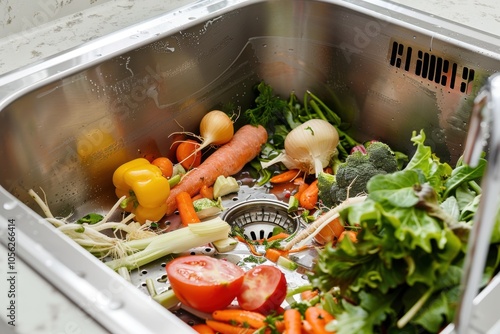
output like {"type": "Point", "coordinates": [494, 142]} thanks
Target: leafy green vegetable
{"type": "Point", "coordinates": [405, 269]}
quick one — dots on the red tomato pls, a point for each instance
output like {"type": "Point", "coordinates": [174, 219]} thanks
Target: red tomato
{"type": "Point", "coordinates": [264, 289]}
{"type": "Point", "coordinates": [203, 282]}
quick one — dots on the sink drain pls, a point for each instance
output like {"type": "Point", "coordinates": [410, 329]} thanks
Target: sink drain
{"type": "Point", "coordinates": [258, 218]}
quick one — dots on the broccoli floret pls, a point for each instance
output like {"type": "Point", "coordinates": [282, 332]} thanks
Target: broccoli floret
{"type": "Point", "coordinates": [382, 157]}
{"type": "Point", "coordinates": [353, 174]}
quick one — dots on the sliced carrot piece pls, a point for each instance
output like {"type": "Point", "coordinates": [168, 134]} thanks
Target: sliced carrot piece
{"type": "Point", "coordinates": [309, 197]}
{"type": "Point", "coordinates": [286, 176]}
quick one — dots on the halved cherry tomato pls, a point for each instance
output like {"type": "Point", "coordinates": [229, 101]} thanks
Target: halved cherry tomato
{"type": "Point", "coordinates": [264, 289]}
{"type": "Point", "coordinates": [205, 283]}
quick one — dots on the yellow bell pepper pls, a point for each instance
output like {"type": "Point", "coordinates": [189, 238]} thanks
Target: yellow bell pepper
{"type": "Point", "coordinates": [145, 187]}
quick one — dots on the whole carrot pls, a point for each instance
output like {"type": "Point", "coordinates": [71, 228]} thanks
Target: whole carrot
{"type": "Point", "coordinates": [309, 197]}
{"type": "Point", "coordinates": [240, 317]}
{"type": "Point", "coordinates": [186, 209]}
{"type": "Point", "coordinates": [227, 160]}
{"type": "Point", "coordinates": [225, 328]}
{"type": "Point", "coordinates": [318, 318]}
{"type": "Point", "coordinates": [286, 176]}
{"type": "Point", "coordinates": [293, 321]}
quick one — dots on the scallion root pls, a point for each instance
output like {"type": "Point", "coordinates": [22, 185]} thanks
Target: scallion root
{"type": "Point", "coordinates": [92, 238]}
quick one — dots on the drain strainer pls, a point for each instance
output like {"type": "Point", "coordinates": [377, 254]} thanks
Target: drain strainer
{"type": "Point", "coordinates": [259, 217]}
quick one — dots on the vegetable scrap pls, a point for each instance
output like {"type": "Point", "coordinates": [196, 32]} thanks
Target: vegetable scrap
{"type": "Point", "coordinates": [390, 230]}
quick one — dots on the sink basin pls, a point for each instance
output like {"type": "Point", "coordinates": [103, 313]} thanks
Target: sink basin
{"type": "Point", "coordinates": [69, 121]}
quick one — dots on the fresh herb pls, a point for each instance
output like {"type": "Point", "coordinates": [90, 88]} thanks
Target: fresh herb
{"type": "Point", "coordinates": [91, 219]}
{"type": "Point", "coordinates": [268, 107]}
{"type": "Point", "coordinates": [280, 116]}
{"type": "Point", "coordinates": [254, 259]}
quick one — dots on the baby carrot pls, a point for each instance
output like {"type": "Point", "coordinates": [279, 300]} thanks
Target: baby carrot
{"type": "Point", "coordinates": [203, 329]}
{"type": "Point", "coordinates": [293, 321]}
{"type": "Point", "coordinates": [318, 318]}
{"type": "Point", "coordinates": [309, 197]}
{"type": "Point", "coordinates": [226, 328]}
{"type": "Point", "coordinates": [186, 209]}
{"type": "Point", "coordinates": [207, 192]}
{"type": "Point", "coordinates": [286, 176]}
{"type": "Point", "coordinates": [240, 317]}
{"type": "Point", "coordinates": [186, 156]}
{"type": "Point", "coordinates": [165, 164]}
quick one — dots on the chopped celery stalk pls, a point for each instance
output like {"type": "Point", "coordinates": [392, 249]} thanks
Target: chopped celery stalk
{"type": "Point", "coordinates": [173, 242]}
{"type": "Point", "coordinates": [225, 185]}
{"type": "Point", "coordinates": [208, 212]}
{"type": "Point", "coordinates": [299, 289]}
{"type": "Point", "coordinates": [293, 204]}
{"type": "Point", "coordinates": [167, 299]}
{"type": "Point", "coordinates": [205, 207]}
{"type": "Point", "coordinates": [178, 170]}
{"type": "Point", "coordinates": [287, 263]}
{"type": "Point", "coordinates": [225, 245]}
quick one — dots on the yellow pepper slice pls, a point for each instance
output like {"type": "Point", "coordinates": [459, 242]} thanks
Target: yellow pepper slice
{"type": "Point", "coordinates": [145, 187]}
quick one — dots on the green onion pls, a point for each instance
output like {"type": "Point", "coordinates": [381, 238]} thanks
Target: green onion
{"type": "Point", "coordinates": [173, 242]}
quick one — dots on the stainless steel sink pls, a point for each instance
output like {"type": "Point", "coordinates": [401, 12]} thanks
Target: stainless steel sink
{"type": "Point", "coordinates": [67, 122]}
